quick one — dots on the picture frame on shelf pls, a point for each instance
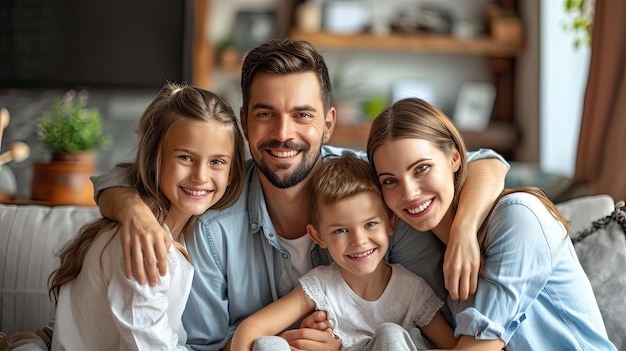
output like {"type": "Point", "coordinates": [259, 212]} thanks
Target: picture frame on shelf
{"type": "Point", "coordinates": [474, 106]}
{"type": "Point", "coordinates": [254, 27]}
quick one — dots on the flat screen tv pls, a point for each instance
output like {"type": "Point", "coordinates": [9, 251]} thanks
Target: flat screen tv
{"type": "Point", "coordinates": [112, 43]}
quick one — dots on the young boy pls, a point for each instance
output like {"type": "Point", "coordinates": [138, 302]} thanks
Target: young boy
{"type": "Point", "coordinates": [371, 304]}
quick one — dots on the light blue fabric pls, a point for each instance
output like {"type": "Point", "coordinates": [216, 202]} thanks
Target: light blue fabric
{"type": "Point", "coordinates": [240, 265]}
{"type": "Point", "coordinates": [533, 292]}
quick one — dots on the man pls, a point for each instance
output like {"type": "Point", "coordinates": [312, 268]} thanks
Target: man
{"type": "Point", "coordinates": [251, 253]}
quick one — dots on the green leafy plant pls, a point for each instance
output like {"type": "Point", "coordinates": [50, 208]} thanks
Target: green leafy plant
{"type": "Point", "coordinates": [581, 20]}
{"type": "Point", "coordinates": [373, 106]}
{"type": "Point", "coordinates": [72, 128]}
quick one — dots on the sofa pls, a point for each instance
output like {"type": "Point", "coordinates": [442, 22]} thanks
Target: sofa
{"type": "Point", "coordinates": [31, 234]}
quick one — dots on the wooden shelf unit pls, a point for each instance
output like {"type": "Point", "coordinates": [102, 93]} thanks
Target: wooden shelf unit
{"type": "Point", "coordinates": [415, 43]}
{"type": "Point", "coordinates": [498, 136]}
{"type": "Point", "coordinates": [502, 134]}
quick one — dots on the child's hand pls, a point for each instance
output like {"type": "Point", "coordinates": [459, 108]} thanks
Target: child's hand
{"type": "Point", "coordinates": [315, 333]}
{"type": "Point", "coordinates": [312, 339]}
{"type": "Point", "coordinates": [316, 320]}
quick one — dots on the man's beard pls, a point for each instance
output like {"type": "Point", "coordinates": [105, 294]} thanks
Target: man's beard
{"type": "Point", "coordinates": [298, 175]}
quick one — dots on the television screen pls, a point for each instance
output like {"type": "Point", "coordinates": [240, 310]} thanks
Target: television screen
{"type": "Point", "coordinates": [113, 43]}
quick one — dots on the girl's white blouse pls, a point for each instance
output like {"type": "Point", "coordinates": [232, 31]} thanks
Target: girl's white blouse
{"type": "Point", "coordinates": [104, 310]}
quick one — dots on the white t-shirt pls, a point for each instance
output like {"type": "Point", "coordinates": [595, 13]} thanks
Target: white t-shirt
{"type": "Point", "coordinates": [103, 310]}
{"type": "Point", "coordinates": [300, 261]}
{"type": "Point", "coordinates": [407, 301]}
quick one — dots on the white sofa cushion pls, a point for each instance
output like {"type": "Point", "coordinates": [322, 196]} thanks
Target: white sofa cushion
{"type": "Point", "coordinates": [29, 238]}
{"type": "Point", "coordinates": [584, 210]}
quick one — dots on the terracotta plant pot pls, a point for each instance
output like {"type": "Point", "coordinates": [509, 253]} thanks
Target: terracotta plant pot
{"type": "Point", "coordinates": [64, 182]}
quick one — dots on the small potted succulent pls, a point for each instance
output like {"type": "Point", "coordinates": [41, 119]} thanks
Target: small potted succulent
{"type": "Point", "coordinates": [71, 133]}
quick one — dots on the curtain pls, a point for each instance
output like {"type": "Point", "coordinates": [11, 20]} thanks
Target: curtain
{"type": "Point", "coordinates": [601, 155]}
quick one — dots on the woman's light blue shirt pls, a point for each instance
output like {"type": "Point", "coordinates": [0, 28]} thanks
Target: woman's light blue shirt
{"type": "Point", "coordinates": [533, 292]}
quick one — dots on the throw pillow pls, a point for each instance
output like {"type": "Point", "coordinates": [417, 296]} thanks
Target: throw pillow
{"type": "Point", "coordinates": [601, 249]}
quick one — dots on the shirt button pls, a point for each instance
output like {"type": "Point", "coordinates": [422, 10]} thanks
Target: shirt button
{"type": "Point", "coordinates": [285, 256]}
{"type": "Point", "coordinates": [271, 235]}
{"type": "Point", "coordinates": [254, 226]}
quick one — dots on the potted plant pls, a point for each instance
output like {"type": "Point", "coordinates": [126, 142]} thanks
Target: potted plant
{"type": "Point", "coordinates": [71, 133]}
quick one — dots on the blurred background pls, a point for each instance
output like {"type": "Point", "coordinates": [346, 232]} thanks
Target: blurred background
{"type": "Point", "coordinates": [511, 74]}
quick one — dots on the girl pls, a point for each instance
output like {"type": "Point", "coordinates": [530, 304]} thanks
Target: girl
{"type": "Point", "coordinates": [190, 157]}
{"type": "Point", "coordinates": [532, 292]}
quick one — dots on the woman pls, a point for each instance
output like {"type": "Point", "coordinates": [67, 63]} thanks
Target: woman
{"type": "Point", "coordinates": [532, 292]}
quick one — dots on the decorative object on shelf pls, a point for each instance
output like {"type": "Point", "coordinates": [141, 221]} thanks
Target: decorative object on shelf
{"type": "Point", "coordinates": [581, 20]}
{"type": "Point", "coordinates": [228, 54]}
{"type": "Point", "coordinates": [345, 16]}
{"type": "Point", "coordinates": [474, 106]}
{"type": "Point", "coordinates": [465, 29]}
{"type": "Point", "coordinates": [309, 16]}
{"type": "Point", "coordinates": [506, 27]}
{"type": "Point", "coordinates": [423, 18]}
{"type": "Point", "coordinates": [434, 18]}
{"type": "Point", "coordinates": [380, 21]}
{"type": "Point", "coordinates": [18, 152]}
{"type": "Point", "coordinates": [71, 134]}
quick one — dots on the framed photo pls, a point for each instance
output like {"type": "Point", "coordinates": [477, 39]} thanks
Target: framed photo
{"type": "Point", "coordinates": [474, 106]}
{"type": "Point", "coordinates": [254, 27]}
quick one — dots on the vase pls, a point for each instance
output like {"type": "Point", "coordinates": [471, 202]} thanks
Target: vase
{"type": "Point", "coordinates": [64, 180]}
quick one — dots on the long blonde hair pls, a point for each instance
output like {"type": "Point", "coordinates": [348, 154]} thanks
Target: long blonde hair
{"type": "Point", "coordinates": [414, 118]}
{"type": "Point", "coordinates": [174, 102]}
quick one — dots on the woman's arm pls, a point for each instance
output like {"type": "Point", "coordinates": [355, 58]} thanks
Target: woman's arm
{"type": "Point", "coordinates": [469, 343]}
{"type": "Point", "coordinates": [272, 319]}
{"type": "Point", "coordinates": [485, 182]}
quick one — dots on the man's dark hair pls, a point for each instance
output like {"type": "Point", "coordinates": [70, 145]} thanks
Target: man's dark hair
{"type": "Point", "coordinates": [284, 56]}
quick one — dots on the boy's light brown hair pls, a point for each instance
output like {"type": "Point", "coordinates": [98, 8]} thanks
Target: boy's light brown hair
{"type": "Point", "coordinates": [340, 178]}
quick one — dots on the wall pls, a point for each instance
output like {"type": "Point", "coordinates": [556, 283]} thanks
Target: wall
{"type": "Point", "coordinates": [562, 83]}
{"type": "Point", "coordinates": [527, 85]}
